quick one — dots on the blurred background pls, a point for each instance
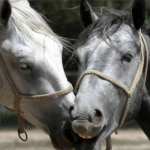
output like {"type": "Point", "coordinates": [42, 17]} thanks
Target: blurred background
{"type": "Point", "coordinates": [64, 19]}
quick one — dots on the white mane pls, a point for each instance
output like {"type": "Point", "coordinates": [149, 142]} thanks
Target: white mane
{"type": "Point", "coordinates": [28, 20]}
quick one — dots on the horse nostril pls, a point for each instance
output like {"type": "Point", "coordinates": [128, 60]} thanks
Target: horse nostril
{"type": "Point", "coordinates": [71, 109]}
{"type": "Point", "coordinates": [97, 117]}
{"type": "Point", "coordinates": [97, 113]}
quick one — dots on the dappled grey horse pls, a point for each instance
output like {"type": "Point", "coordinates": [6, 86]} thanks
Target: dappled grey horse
{"type": "Point", "coordinates": [113, 60]}
{"type": "Point", "coordinates": [32, 78]}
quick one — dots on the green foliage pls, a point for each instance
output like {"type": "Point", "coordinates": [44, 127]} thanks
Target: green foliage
{"type": "Point", "coordinates": [131, 124]}
{"type": "Point", "coordinates": [64, 14]}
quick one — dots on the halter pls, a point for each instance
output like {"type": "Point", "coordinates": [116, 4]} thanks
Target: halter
{"type": "Point", "coordinates": [128, 92]}
{"type": "Point", "coordinates": [19, 97]}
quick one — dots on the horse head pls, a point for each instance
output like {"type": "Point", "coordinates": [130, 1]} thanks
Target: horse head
{"type": "Point", "coordinates": [31, 66]}
{"type": "Point", "coordinates": [109, 55]}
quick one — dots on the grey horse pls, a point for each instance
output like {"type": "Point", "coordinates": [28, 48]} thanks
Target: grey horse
{"type": "Point", "coordinates": [109, 53]}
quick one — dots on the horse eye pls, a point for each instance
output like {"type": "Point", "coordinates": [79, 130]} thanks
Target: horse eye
{"type": "Point", "coordinates": [24, 66]}
{"type": "Point", "coordinates": [127, 57]}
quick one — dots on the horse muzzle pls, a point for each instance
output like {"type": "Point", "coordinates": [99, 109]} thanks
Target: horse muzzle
{"type": "Point", "coordinates": [85, 129]}
{"type": "Point", "coordinates": [87, 125]}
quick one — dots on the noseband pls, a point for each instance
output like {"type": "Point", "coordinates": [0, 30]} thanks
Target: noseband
{"type": "Point", "coordinates": [128, 92]}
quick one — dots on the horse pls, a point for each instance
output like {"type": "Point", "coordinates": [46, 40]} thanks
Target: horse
{"type": "Point", "coordinates": [114, 85]}
{"type": "Point", "coordinates": [32, 78]}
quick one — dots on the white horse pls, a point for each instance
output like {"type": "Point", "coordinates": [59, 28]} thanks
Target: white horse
{"type": "Point", "coordinates": [31, 68]}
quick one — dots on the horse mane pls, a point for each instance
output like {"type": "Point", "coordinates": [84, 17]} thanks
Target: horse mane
{"type": "Point", "coordinates": [146, 28]}
{"type": "Point", "coordinates": [108, 23]}
{"type": "Point", "coordinates": [28, 20]}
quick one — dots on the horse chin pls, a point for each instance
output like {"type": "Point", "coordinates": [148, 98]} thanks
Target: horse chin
{"type": "Point", "coordinates": [89, 144]}
{"type": "Point", "coordinates": [81, 142]}
{"type": "Point", "coordinates": [93, 143]}
{"type": "Point", "coordinates": [61, 143]}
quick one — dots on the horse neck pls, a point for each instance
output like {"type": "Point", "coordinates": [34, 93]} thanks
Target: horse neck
{"type": "Point", "coordinates": [148, 73]}
{"type": "Point", "coordinates": [143, 118]}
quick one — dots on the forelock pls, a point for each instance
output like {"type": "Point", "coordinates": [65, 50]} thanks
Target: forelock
{"type": "Point", "coordinates": [108, 23]}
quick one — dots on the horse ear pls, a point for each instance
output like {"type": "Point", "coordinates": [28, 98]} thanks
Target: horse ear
{"type": "Point", "coordinates": [5, 12]}
{"type": "Point", "coordinates": [87, 14]}
{"type": "Point", "coordinates": [138, 13]}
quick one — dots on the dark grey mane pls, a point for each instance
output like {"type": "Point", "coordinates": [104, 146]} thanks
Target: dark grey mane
{"type": "Point", "coordinates": [108, 23]}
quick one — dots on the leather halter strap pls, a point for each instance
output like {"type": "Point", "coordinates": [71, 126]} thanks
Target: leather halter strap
{"type": "Point", "coordinates": [18, 98]}
{"type": "Point", "coordinates": [128, 92]}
